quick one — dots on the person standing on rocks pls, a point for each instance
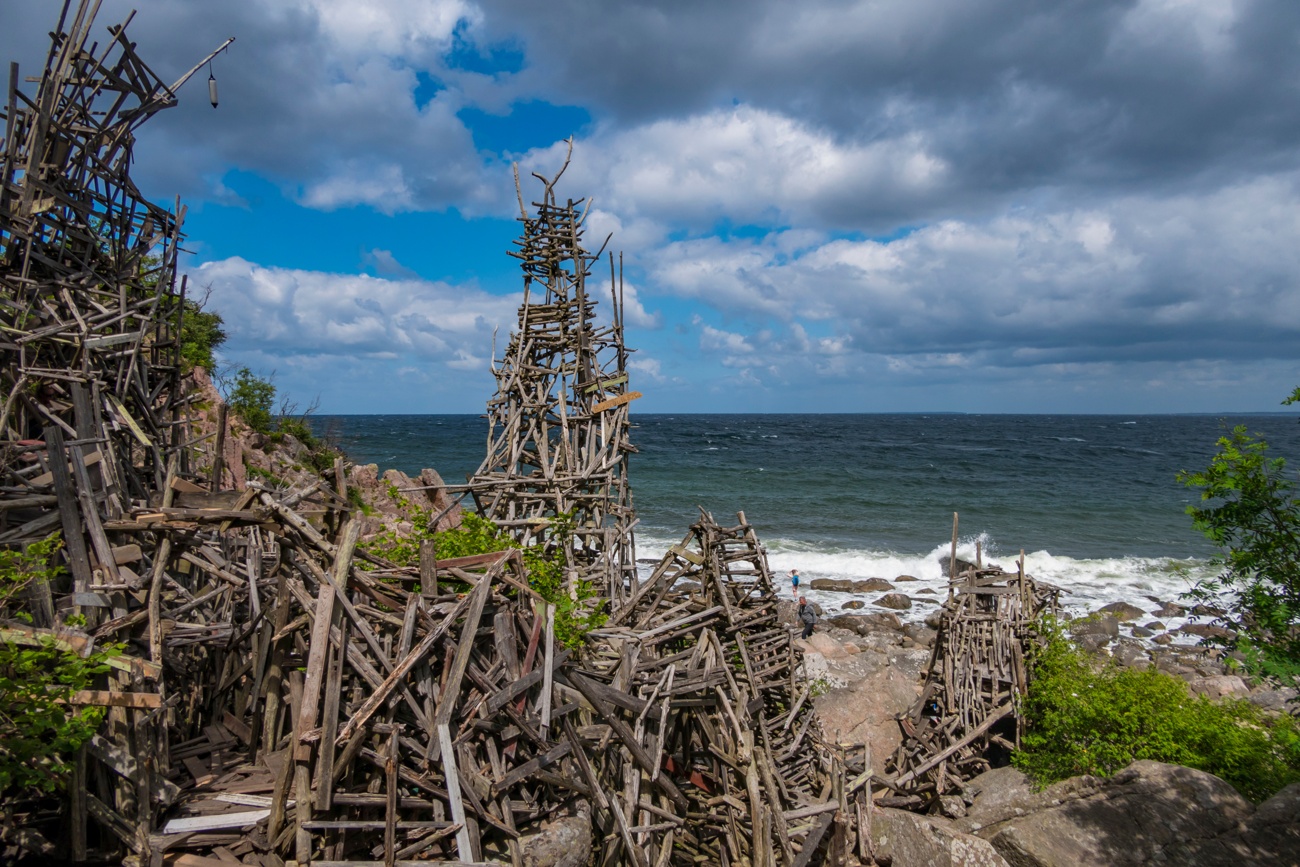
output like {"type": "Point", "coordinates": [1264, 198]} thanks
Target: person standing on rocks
{"type": "Point", "coordinates": [794, 580]}
{"type": "Point", "coordinates": [807, 616]}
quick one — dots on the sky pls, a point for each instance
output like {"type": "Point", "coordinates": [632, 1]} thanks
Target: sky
{"type": "Point", "coordinates": [826, 206]}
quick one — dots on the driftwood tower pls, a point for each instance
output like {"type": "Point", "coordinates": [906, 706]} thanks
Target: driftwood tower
{"type": "Point", "coordinates": [558, 438]}
{"type": "Point", "coordinates": [976, 679]}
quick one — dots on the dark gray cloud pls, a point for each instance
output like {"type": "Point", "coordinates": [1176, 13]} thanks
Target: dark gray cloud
{"type": "Point", "coordinates": [1017, 95]}
{"type": "Point", "coordinates": [932, 193]}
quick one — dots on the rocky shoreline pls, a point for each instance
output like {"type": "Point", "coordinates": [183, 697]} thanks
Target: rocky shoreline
{"type": "Point", "coordinates": [870, 667]}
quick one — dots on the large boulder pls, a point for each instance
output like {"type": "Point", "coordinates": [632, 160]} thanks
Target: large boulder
{"type": "Point", "coordinates": [863, 710]}
{"type": "Point", "coordinates": [871, 585]}
{"type": "Point", "coordinates": [1148, 813]}
{"type": "Point", "coordinates": [1273, 699]}
{"type": "Point", "coordinates": [820, 642]}
{"type": "Point", "coordinates": [1271, 836]}
{"type": "Point", "coordinates": [1169, 609]}
{"type": "Point", "coordinates": [908, 840]}
{"type": "Point", "coordinates": [444, 506]}
{"type": "Point", "coordinates": [1097, 624]}
{"type": "Point", "coordinates": [1220, 686]}
{"type": "Point", "coordinates": [910, 662]}
{"type": "Point", "coordinates": [564, 842]}
{"type": "Point", "coordinates": [962, 566]}
{"type": "Point", "coordinates": [1206, 630]}
{"type": "Point", "coordinates": [866, 624]}
{"type": "Point", "coordinates": [841, 585]}
{"type": "Point", "coordinates": [1123, 611]}
{"type": "Point", "coordinates": [897, 601]}
{"type": "Point", "coordinates": [922, 635]}
{"type": "Point", "coordinates": [993, 792]}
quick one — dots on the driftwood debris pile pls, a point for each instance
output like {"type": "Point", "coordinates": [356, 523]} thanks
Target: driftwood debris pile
{"type": "Point", "coordinates": [312, 704]}
{"type": "Point", "coordinates": [968, 709]}
{"type": "Point", "coordinates": [89, 314]}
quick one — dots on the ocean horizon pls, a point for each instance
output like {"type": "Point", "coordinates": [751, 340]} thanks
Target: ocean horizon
{"type": "Point", "coordinates": [1093, 500]}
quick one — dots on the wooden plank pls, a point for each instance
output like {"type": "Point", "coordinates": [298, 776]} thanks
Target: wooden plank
{"type": "Point", "coordinates": [615, 401]}
{"type": "Point", "coordinates": [74, 543]}
{"type": "Point", "coordinates": [814, 838]}
{"type": "Point", "coordinates": [451, 689]}
{"type": "Point", "coordinates": [91, 458]}
{"type": "Point", "coordinates": [463, 844]}
{"type": "Point", "coordinates": [381, 693]}
{"type": "Point", "coordinates": [525, 770]}
{"type": "Point", "coordinates": [218, 822]}
{"type": "Point", "coordinates": [648, 764]}
{"type": "Point", "coordinates": [109, 698]}
{"type": "Point", "coordinates": [319, 646]}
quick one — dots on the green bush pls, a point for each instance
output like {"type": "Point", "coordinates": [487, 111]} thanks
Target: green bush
{"type": "Point", "coordinates": [39, 732]}
{"type": "Point", "coordinates": [1251, 512]}
{"type": "Point", "coordinates": [251, 398]}
{"type": "Point", "coordinates": [1089, 717]}
{"type": "Point", "coordinates": [201, 334]}
{"type": "Point", "coordinates": [544, 564]}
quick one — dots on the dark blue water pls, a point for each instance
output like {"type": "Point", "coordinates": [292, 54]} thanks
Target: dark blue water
{"type": "Point", "coordinates": [1080, 486]}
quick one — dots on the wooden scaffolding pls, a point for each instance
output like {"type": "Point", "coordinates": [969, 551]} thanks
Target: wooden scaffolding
{"type": "Point", "coordinates": [702, 639]}
{"type": "Point", "coordinates": [92, 428]}
{"type": "Point", "coordinates": [976, 677]}
{"type": "Point", "coordinates": [558, 435]}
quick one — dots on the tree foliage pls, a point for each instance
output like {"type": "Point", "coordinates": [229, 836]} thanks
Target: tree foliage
{"type": "Point", "coordinates": [201, 334]}
{"type": "Point", "coordinates": [251, 398]}
{"type": "Point", "coordinates": [1250, 511]}
{"type": "Point", "coordinates": [39, 731]}
{"type": "Point", "coordinates": [544, 564]}
{"type": "Point", "coordinates": [1086, 716]}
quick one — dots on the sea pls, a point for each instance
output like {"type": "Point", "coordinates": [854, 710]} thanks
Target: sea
{"type": "Point", "coordinates": [1092, 501]}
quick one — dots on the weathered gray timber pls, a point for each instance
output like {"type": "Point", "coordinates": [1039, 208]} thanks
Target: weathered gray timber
{"type": "Point", "coordinates": [556, 467]}
{"type": "Point", "coordinates": [975, 680]}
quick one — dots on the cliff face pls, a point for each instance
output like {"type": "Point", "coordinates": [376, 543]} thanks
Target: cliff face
{"type": "Point", "coordinates": [384, 502]}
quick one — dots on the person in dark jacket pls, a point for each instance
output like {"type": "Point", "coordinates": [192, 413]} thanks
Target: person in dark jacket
{"type": "Point", "coordinates": [807, 616]}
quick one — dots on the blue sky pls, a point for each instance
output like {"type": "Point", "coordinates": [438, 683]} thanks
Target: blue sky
{"type": "Point", "coordinates": [896, 205]}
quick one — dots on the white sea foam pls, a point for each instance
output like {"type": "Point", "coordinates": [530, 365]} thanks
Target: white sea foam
{"type": "Point", "coordinates": [1088, 583]}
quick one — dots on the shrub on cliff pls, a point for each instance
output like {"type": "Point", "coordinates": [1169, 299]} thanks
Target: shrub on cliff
{"type": "Point", "coordinates": [1090, 717]}
{"type": "Point", "coordinates": [201, 334]}
{"type": "Point", "coordinates": [251, 398]}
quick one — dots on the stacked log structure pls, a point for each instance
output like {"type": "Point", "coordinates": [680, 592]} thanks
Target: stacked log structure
{"type": "Point", "coordinates": [281, 695]}
{"type": "Point", "coordinates": [558, 435]}
{"type": "Point", "coordinates": [969, 708]}
{"type": "Point", "coordinates": [89, 306]}
{"type": "Point", "coordinates": [702, 638]}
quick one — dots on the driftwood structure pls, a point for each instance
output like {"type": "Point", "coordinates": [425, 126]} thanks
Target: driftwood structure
{"type": "Point", "coordinates": [90, 309]}
{"type": "Point", "coordinates": [282, 695]}
{"type": "Point", "coordinates": [702, 637]}
{"type": "Point", "coordinates": [969, 706]}
{"type": "Point", "coordinates": [558, 438]}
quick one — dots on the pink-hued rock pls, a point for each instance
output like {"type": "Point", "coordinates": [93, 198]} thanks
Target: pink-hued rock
{"type": "Point", "coordinates": [864, 709]}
